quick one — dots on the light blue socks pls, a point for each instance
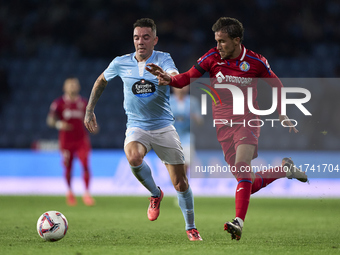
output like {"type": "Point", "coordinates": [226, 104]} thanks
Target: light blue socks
{"type": "Point", "coordinates": [186, 203]}
{"type": "Point", "coordinates": [143, 174]}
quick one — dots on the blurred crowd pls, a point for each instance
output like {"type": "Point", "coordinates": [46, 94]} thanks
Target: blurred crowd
{"type": "Point", "coordinates": [280, 28]}
{"type": "Point", "coordinates": [299, 38]}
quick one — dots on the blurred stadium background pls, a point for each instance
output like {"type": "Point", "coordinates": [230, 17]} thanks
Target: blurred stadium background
{"type": "Point", "coordinates": [43, 42]}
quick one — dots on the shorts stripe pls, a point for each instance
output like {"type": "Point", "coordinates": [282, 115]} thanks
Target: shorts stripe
{"type": "Point", "coordinates": [253, 134]}
{"type": "Point", "coordinates": [261, 179]}
{"type": "Point", "coordinates": [244, 181]}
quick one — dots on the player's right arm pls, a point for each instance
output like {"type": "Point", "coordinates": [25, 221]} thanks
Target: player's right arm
{"type": "Point", "coordinates": [183, 79]}
{"type": "Point", "coordinates": [90, 118]}
{"type": "Point", "coordinates": [179, 81]}
{"type": "Point", "coordinates": [53, 121]}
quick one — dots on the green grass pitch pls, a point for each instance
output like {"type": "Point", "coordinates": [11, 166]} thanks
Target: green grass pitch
{"type": "Point", "coordinates": [119, 225]}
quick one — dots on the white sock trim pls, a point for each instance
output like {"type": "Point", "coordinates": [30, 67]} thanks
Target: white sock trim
{"type": "Point", "coordinates": [239, 221]}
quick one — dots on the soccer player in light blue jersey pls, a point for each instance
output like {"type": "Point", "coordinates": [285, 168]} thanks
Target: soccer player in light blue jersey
{"type": "Point", "coordinates": [150, 120]}
{"type": "Point", "coordinates": [185, 108]}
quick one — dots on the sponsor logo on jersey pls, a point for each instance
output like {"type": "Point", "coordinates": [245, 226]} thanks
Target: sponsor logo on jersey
{"type": "Point", "coordinates": [243, 81]}
{"type": "Point", "coordinates": [72, 114]}
{"type": "Point", "coordinates": [244, 66]}
{"type": "Point", "coordinates": [143, 88]}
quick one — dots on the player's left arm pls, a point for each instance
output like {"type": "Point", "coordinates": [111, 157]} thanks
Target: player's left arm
{"type": "Point", "coordinates": [275, 82]}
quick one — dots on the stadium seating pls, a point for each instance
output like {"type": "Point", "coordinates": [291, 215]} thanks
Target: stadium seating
{"type": "Point", "coordinates": [43, 52]}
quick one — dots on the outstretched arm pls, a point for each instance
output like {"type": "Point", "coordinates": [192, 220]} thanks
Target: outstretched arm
{"type": "Point", "coordinates": [90, 118]}
{"type": "Point", "coordinates": [178, 81]}
{"type": "Point", "coordinates": [163, 77]}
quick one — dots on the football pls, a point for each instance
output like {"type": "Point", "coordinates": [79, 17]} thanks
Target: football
{"type": "Point", "coordinates": [52, 226]}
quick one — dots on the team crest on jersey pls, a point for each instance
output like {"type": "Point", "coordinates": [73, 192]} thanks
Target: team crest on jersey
{"type": "Point", "coordinates": [244, 66]}
{"type": "Point", "coordinates": [143, 88]}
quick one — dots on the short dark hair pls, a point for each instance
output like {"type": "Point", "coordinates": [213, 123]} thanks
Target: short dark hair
{"type": "Point", "coordinates": [145, 22]}
{"type": "Point", "coordinates": [232, 26]}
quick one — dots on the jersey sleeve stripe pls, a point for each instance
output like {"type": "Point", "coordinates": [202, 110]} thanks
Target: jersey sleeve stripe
{"type": "Point", "coordinates": [207, 56]}
{"type": "Point", "coordinates": [268, 70]}
{"type": "Point", "coordinates": [200, 69]}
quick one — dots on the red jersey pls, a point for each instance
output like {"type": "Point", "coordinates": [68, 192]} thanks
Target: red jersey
{"type": "Point", "coordinates": [241, 72]}
{"type": "Point", "coordinates": [73, 113]}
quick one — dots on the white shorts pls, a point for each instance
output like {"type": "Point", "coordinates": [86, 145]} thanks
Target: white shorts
{"type": "Point", "coordinates": [189, 152]}
{"type": "Point", "coordinates": [165, 142]}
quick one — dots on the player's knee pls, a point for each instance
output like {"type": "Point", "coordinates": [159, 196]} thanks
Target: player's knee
{"type": "Point", "coordinates": [242, 170]}
{"type": "Point", "coordinates": [243, 176]}
{"type": "Point", "coordinates": [181, 187]}
{"type": "Point", "coordinates": [135, 161]}
{"type": "Point", "coordinates": [67, 163]}
{"type": "Point", "coordinates": [134, 158]}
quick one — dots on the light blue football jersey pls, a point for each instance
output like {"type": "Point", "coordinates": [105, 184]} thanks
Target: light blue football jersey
{"type": "Point", "coordinates": [146, 104]}
{"type": "Point", "coordinates": [182, 111]}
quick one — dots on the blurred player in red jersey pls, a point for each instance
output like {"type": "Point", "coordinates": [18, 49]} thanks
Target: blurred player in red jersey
{"type": "Point", "coordinates": [66, 114]}
{"type": "Point", "coordinates": [231, 63]}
